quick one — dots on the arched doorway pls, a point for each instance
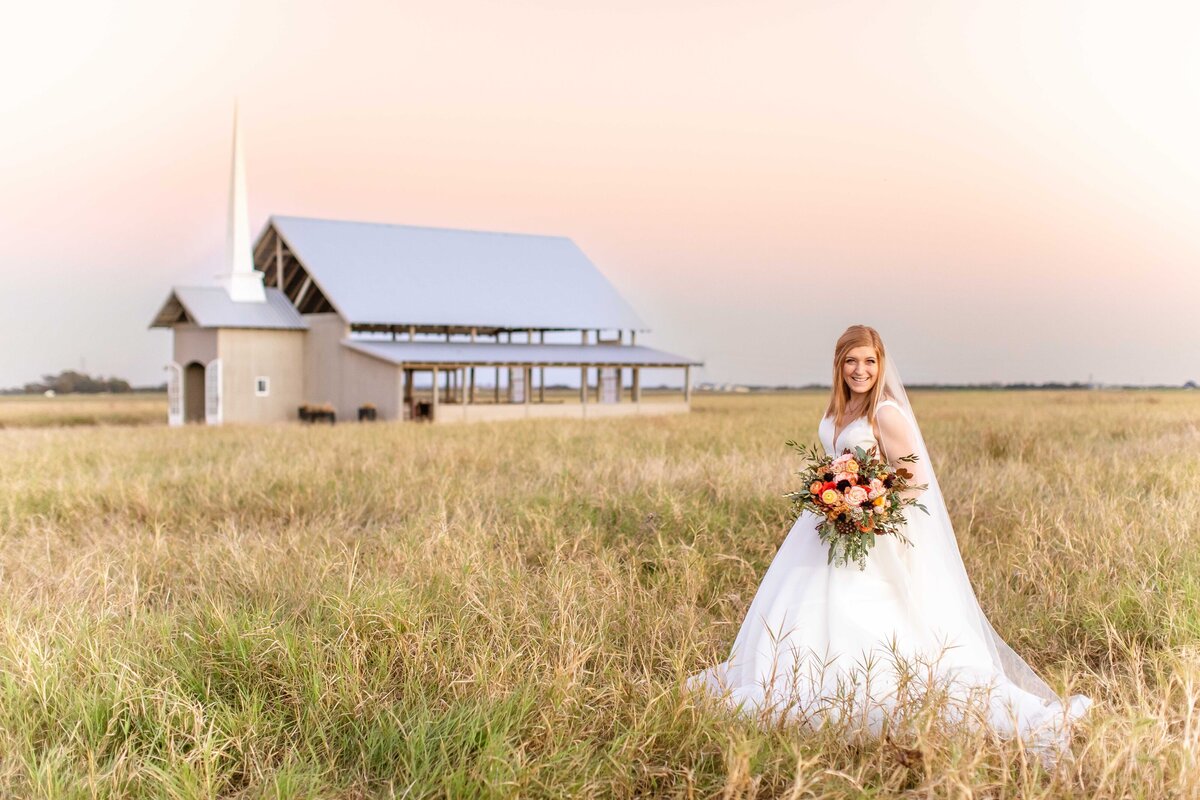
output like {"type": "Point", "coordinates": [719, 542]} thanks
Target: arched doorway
{"type": "Point", "coordinates": [193, 392]}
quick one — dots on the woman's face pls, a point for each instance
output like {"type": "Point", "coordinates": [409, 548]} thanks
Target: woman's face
{"type": "Point", "coordinates": [860, 369]}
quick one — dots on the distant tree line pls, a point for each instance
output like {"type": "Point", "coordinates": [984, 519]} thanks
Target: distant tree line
{"type": "Point", "coordinates": [72, 382]}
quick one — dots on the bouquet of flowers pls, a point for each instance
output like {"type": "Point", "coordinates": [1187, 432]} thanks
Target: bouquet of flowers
{"type": "Point", "coordinates": [858, 495]}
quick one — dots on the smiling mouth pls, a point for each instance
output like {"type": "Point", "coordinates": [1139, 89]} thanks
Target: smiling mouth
{"type": "Point", "coordinates": [860, 380]}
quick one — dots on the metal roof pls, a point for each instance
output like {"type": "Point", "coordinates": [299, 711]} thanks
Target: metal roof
{"type": "Point", "coordinates": [211, 307]}
{"type": "Point", "coordinates": [405, 275]}
{"type": "Point", "coordinates": [503, 353]}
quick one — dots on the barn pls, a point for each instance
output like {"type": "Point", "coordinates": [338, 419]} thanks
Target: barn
{"type": "Point", "coordinates": [355, 320]}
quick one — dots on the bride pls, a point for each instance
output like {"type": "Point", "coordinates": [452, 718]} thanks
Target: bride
{"type": "Point", "coordinates": [824, 643]}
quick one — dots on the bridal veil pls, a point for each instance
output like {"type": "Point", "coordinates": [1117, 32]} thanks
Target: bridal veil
{"type": "Point", "coordinates": [938, 579]}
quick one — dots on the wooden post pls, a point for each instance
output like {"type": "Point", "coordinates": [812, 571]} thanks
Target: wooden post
{"type": "Point", "coordinates": [434, 406]}
{"type": "Point", "coordinates": [687, 384]}
{"type": "Point", "coordinates": [412, 332]}
{"type": "Point", "coordinates": [541, 372]}
{"type": "Point", "coordinates": [583, 373]}
{"type": "Point", "coordinates": [408, 393]}
{"type": "Point", "coordinates": [471, 391]}
{"type": "Point", "coordinates": [636, 389]}
{"type": "Point", "coordinates": [528, 387]}
{"type": "Point", "coordinates": [402, 400]}
{"type": "Point", "coordinates": [278, 262]}
{"type": "Point", "coordinates": [507, 340]}
{"type": "Point", "coordinates": [632, 338]}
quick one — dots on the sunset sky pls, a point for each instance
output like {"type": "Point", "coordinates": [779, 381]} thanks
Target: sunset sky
{"type": "Point", "coordinates": [1008, 191]}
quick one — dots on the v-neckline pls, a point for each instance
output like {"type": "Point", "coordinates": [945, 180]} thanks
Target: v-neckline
{"type": "Point", "coordinates": [838, 434]}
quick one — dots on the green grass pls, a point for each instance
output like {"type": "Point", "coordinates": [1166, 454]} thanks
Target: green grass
{"type": "Point", "coordinates": [509, 610]}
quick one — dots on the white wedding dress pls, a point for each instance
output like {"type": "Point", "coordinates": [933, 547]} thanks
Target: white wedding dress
{"type": "Point", "coordinates": [822, 643]}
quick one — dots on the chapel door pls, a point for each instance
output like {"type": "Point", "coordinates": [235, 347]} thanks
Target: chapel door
{"type": "Point", "coordinates": [193, 392]}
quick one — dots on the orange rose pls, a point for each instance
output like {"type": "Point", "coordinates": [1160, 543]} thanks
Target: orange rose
{"type": "Point", "coordinates": [815, 488]}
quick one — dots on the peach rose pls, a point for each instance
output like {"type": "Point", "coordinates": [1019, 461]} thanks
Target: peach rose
{"type": "Point", "coordinates": [856, 495]}
{"type": "Point", "coordinates": [852, 466]}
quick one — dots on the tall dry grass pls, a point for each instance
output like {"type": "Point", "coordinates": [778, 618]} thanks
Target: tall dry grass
{"type": "Point", "coordinates": [510, 609]}
{"type": "Point", "coordinates": [73, 410]}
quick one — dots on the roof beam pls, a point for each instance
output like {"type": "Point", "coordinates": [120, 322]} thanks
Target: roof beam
{"type": "Point", "coordinates": [260, 248]}
{"type": "Point", "coordinates": [303, 291]}
{"type": "Point", "coordinates": [278, 260]}
{"type": "Point", "coordinates": [290, 274]}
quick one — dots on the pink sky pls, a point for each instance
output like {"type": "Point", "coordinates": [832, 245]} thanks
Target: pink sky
{"type": "Point", "coordinates": [1007, 191]}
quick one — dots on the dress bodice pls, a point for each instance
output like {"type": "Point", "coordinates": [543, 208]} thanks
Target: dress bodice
{"type": "Point", "coordinates": [857, 433]}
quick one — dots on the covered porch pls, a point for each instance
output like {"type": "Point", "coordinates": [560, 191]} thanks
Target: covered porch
{"type": "Point", "coordinates": [443, 381]}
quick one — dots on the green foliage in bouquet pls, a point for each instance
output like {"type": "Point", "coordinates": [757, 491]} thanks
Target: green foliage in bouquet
{"type": "Point", "coordinates": [858, 497]}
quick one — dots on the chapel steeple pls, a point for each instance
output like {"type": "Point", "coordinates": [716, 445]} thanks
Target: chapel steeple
{"type": "Point", "coordinates": [241, 280]}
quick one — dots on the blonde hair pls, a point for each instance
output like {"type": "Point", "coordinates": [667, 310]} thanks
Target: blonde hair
{"type": "Point", "coordinates": [856, 336]}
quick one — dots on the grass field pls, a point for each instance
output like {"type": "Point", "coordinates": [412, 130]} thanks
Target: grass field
{"type": "Point", "coordinates": [509, 609]}
{"type": "Point", "coordinates": [35, 411]}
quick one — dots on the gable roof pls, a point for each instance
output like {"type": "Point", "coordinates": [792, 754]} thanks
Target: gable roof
{"type": "Point", "coordinates": [211, 307]}
{"type": "Point", "coordinates": [381, 274]}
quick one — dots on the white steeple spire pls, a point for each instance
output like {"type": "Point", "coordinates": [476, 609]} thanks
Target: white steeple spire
{"type": "Point", "coordinates": [244, 284]}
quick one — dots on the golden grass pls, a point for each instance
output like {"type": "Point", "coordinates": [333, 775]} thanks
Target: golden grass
{"type": "Point", "coordinates": [510, 609]}
{"type": "Point", "coordinates": [36, 411]}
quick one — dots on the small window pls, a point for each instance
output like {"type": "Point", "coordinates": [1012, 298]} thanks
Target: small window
{"type": "Point", "coordinates": [262, 387]}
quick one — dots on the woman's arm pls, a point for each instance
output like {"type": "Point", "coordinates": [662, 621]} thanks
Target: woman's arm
{"type": "Point", "coordinates": [896, 438]}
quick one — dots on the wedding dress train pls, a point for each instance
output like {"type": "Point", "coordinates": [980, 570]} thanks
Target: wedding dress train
{"type": "Point", "coordinates": [821, 643]}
